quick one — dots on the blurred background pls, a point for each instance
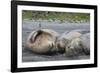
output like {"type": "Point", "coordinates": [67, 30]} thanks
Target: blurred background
{"type": "Point", "coordinates": [54, 16]}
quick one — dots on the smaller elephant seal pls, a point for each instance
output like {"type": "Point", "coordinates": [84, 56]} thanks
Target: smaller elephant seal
{"type": "Point", "coordinates": [65, 39]}
{"type": "Point", "coordinates": [42, 41]}
{"type": "Point", "coordinates": [79, 46]}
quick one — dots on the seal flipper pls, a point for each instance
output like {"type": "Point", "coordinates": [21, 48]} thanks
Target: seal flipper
{"type": "Point", "coordinates": [35, 36]}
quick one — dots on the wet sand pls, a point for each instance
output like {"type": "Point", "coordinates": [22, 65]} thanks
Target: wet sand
{"type": "Point", "coordinates": [29, 26]}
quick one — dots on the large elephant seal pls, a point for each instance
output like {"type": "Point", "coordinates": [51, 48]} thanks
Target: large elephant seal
{"type": "Point", "coordinates": [42, 41]}
{"type": "Point", "coordinates": [65, 39]}
{"type": "Point", "coordinates": [79, 46]}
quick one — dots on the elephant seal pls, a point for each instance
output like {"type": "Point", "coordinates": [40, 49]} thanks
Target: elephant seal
{"type": "Point", "coordinates": [65, 39]}
{"type": "Point", "coordinates": [79, 46]}
{"type": "Point", "coordinates": [42, 41]}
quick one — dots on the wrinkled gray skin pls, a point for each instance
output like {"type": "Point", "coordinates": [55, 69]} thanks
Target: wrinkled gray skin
{"type": "Point", "coordinates": [79, 45]}
{"type": "Point", "coordinates": [65, 39]}
{"type": "Point", "coordinates": [42, 41]}
{"type": "Point", "coordinates": [74, 47]}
